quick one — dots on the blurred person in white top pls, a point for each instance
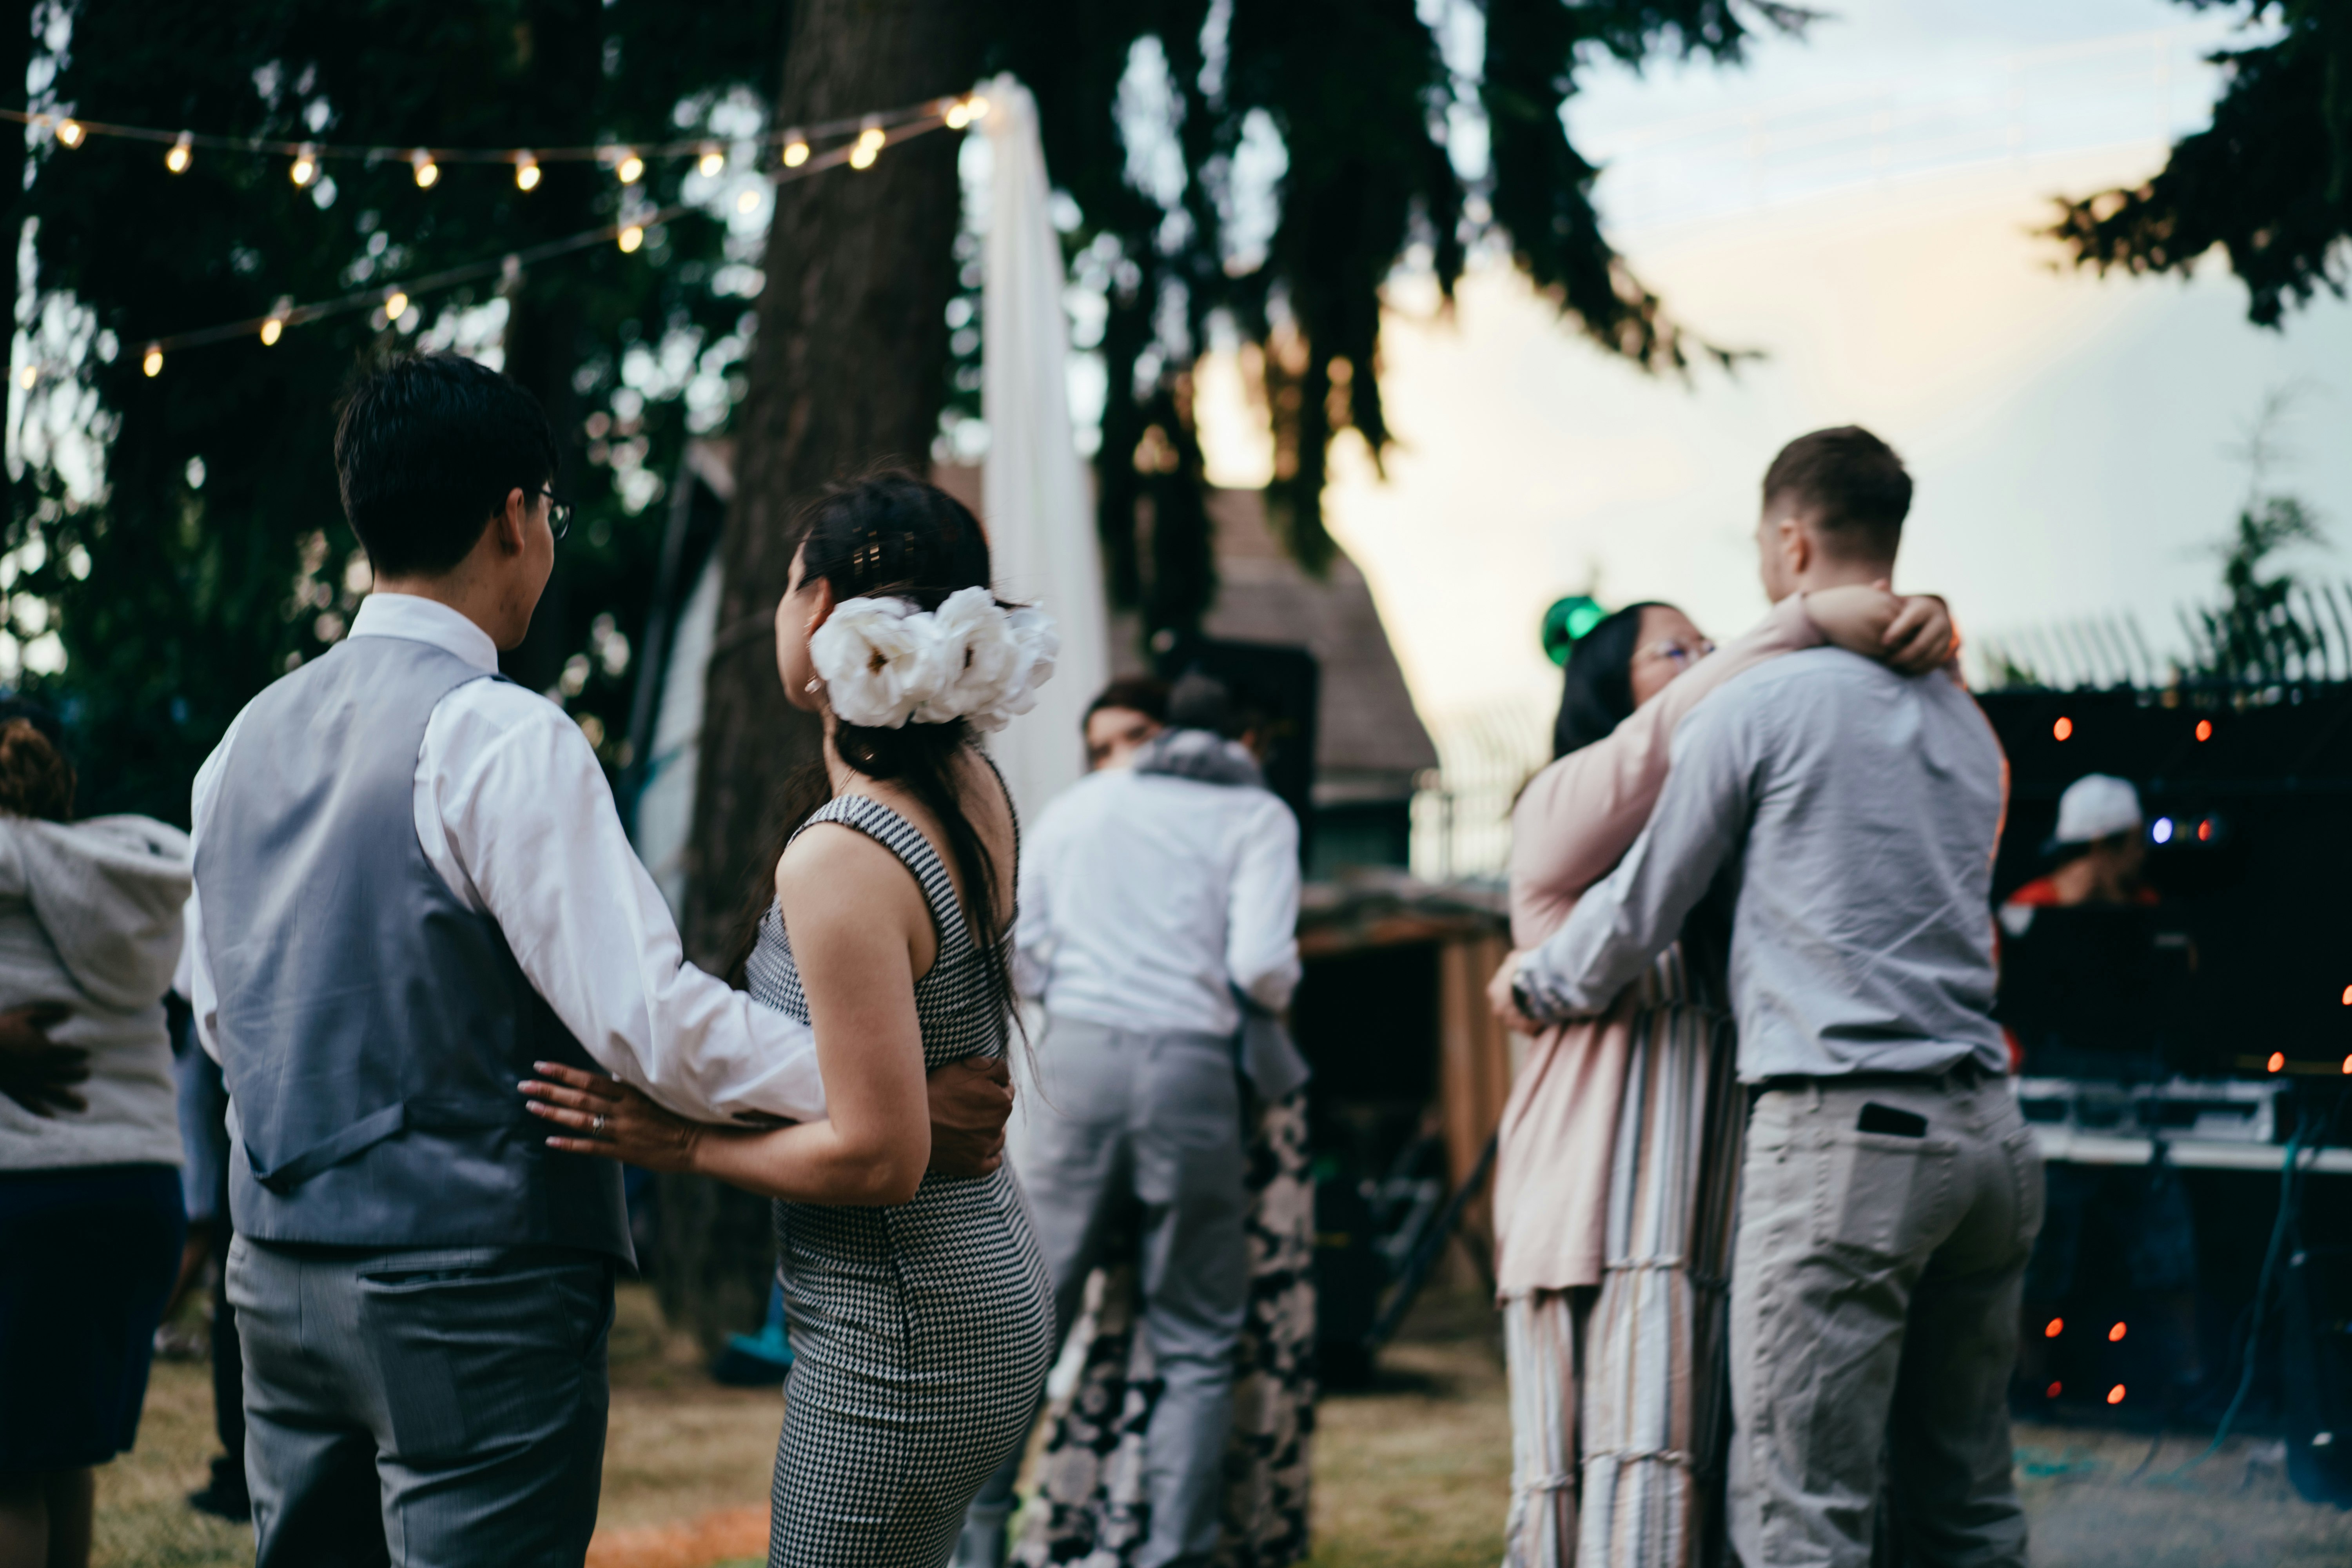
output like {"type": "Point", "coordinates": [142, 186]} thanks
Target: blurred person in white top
{"type": "Point", "coordinates": [1159, 907]}
{"type": "Point", "coordinates": [1148, 899]}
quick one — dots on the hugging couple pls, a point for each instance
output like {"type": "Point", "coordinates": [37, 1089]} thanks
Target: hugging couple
{"type": "Point", "coordinates": [446, 999]}
{"type": "Point", "coordinates": [1751, 900]}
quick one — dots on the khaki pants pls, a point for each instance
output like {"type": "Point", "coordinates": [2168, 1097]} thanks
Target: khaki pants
{"type": "Point", "coordinates": [1874, 1295]}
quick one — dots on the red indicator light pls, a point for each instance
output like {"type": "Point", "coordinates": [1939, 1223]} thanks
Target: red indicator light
{"type": "Point", "coordinates": [2116, 1395]}
{"type": "Point", "coordinates": [2205, 831]}
{"type": "Point", "coordinates": [2064, 728]}
{"type": "Point", "coordinates": [2053, 1389]}
{"type": "Point", "coordinates": [2348, 1064]}
{"type": "Point", "coordinates": [2057, 1326]}
{"type": "Point", "coordinates": [2348, 995]}
{"type": "Point", "coordinates": [2204, 729]}
{"type": "Point", "coordinates": [2115, 1334]}
{"type": "Point", "coordinates": [2278, 1060]}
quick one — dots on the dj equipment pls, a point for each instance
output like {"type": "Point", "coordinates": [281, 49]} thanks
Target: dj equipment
{"type": "Point", "coordinates": [2249, 800]}
{"type": "Point", "coordinates": [2205, 1111]}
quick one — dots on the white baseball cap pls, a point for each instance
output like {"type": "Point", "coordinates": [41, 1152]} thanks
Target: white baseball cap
{"type": "Point", "coordinates": [2097, 806]}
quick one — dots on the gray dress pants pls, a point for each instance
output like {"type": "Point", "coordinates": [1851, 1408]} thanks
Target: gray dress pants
{"type": "Point", "coordinates": [433, 1408]}
{"type": "Point", "coordinates": [1875, 1283]}
{"type": "Point", "coordinates": [1149, 1124]}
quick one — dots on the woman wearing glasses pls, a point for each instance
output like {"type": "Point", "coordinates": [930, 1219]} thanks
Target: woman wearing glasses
{"type": "Point", "coordinates": [1619, 1156]}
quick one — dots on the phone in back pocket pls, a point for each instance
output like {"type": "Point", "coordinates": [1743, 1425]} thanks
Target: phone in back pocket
{"type": "Point", "coordinates": [1894, 1123]}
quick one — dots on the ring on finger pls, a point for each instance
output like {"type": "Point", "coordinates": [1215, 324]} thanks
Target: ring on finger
{"type": "Point", "coordinates": [596, 1124]}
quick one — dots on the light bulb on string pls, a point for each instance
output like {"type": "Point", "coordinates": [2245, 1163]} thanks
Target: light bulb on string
{"type": "Point", "coordinates": [963, 112]}
{"type": "Point", "coordinates": [632, 238]}
{"type": "Point", "coordinates": [395, 305]}
{"type": "Point", "coordinates": [275, 327]}
{"type": "Point", "coordinates": [630, 167]}
{"type": "Point", "coordinates": [795, 151]}
{"type": "Point", "coordinates": [176, 160]}
{"type": "Point", "coordinates": [428, 171]}
{"type": "Point", "coordinates": [29, 377]}
{"type": "Point", "coordinates": [306, 166]}
{"type": "Point", "coordinates": [749, 202]}
{"type": "Point", "coordinates": [526, 172]}
{"type": "Point", "coordinates": [870, 142]}
{"type": "Point", "coordinates": [976, 107]}
{"type": "Point", "coordinates": [152, 360]}
{"type": "Point", "coordinates": [712, 163]}
{"type": "Point", "coordinates": [70, 132]}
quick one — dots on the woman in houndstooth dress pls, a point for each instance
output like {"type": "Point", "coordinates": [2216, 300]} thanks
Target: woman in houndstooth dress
{"type": "Point", "coordinates": [921, 1314]}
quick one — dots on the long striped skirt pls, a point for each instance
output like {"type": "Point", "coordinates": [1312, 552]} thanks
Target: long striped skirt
{"type": "Point", "coordinates": [1620, 1405]}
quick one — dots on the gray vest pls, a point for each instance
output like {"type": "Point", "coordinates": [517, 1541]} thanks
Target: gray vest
{"type": "Point", "coordinates": [372, 1027]}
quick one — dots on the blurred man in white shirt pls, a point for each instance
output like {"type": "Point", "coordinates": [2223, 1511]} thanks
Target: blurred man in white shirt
{"type": "Point", "coordinates": [1158, 909]}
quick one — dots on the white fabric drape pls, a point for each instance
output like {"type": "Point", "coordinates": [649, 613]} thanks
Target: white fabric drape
{"type": "Point", "coordinates": [1039, 514]}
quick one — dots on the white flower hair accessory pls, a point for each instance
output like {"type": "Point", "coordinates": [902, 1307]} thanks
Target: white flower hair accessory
{"type": "Point", "coordinates": [883, 662]}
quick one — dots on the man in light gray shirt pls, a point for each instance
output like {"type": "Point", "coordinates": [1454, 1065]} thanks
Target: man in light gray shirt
{"type": "Point", "coordinates": [1891, 1190]}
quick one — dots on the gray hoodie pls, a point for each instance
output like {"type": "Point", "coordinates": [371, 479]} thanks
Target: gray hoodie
{"type": "Point", "coordinates": [91, 919]}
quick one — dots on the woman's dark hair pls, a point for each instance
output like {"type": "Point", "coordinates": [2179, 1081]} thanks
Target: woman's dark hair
{"type": "Point", "coordinates": [35, 780]}
{"type": "Point", "coordinates": [890, 534]}
{"type": "Point", "coordinates": [426, 452]}
{"type": "Point", "coordinates": [1598, 694]}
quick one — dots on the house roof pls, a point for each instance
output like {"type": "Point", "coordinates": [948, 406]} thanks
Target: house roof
{"type": "Point", "coordinates": [1367, 725]}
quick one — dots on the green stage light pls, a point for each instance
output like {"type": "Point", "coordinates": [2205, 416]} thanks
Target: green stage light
{"type": "Point", "coordinates": [1564, 624]}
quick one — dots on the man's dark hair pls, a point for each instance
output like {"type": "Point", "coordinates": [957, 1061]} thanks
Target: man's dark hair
{"type": "Point", "coordinates": [1850, 483]}
{"type": "Point", "coordinates": [426, 452]}
{"type": "Point", "coordinates": [1136, 694]}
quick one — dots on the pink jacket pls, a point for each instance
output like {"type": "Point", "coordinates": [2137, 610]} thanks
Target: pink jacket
{"type": "Point", "coordinates": [1573, 822]}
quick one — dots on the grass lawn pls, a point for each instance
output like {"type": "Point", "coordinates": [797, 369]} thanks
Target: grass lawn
{"type": "Point", "coordinates": [1412, 1473]}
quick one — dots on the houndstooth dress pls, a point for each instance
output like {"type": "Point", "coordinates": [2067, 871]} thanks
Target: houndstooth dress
{"type": "Point", "coordinates": [922, 1334]}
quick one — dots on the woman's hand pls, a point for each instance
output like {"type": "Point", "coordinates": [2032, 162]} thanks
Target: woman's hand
{"type": "Point", "coordinates": [614, 1120]}
{"type": "Point", "coordinates": [35, 1071]}
{"type": "Point", "coordinates": [1913, 635]}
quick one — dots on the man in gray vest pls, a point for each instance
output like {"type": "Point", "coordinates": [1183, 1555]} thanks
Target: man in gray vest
{"type": "Point", "coordinates": [411, 887]}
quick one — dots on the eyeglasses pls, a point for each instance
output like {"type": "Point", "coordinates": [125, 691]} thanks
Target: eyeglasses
{"type": "Point", "coordinates": [1681, 655]}
{"type": "Point", "coordinates": [558, 513]}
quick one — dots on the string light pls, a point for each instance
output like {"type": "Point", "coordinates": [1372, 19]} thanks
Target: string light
{"type": "Point", "coordinates": [2277, 1061]}
{"type": "Point", "coordinates": [176, 160]}
{"type": "Point", "coordinates": [963, 111]}
{"type": "Point", "coordinates": [395, 305]}
{"type": "Point", "coordinates": [70, 132]}
{"type": "Point", "coordinates": [874, 132]}
{"type": "Point", "coordinates": [712, 163]}
{"type": "Point", "coordinates": [428, 171]}
{"type": "Point", "coordinates": [2116, 1395]}
{"type": "Point", "coordinates": [2064, 728]}
{"type": "Point", "coordinates": [29, 377]}
{"type": "Point", "coordinates": [2055, 1326]}
{"type": "Point", "coordinates": [2204, 729]}
{"type": "Point", "coordinates": [630, 167]}
{"type": "Point", "coordinates": [2116, 1335]}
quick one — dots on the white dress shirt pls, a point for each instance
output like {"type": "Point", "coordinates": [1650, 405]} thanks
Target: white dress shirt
{"type": "Point", "coordinates": [1146, 900]}
{"type": "Point", "coordinates": [513, 811]}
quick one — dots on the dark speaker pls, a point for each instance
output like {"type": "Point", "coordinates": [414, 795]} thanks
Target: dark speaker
{"type": "Point", "coordinates": [2318, 1367]}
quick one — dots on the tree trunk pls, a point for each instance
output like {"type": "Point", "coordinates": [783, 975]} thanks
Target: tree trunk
{"type": "Point", "coordinates": [848, 371]}
{"type": "Point", "coordinates": [561, 49]}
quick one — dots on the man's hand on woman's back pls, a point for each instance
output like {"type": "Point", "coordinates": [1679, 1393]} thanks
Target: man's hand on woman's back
{"type": "Point", "coordinates": [969, 1102]}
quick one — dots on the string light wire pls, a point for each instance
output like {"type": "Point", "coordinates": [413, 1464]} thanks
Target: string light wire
{"type": "Point", "coordinates": [72, 129]}
{"type": "Point", "coordinates": [635, 225]}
